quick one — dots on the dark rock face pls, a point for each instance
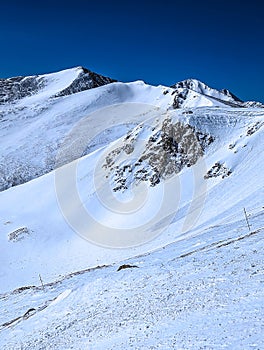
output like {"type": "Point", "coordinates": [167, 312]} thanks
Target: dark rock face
{"type": "Point", "coordinates": [218, 169]}
{"type": "Point", "coordinates": [126, 266]}
{"type": "Point", "coordinates": [187, 84]}
{"type": "Point", "coordinates": [253, 128]}
{"type": "Point", "coordinates": [19, 87]}
{"type": "Point", "coordinates": [85, 81]}
{"type": "Point", "coordinates": [180, 97]}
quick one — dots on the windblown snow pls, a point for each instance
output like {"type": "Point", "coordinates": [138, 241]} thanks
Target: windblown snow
{"type": "Point", "coordinates": [131, 216]}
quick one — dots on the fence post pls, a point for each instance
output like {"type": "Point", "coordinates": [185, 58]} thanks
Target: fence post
{"type": "Point", "coordinates": [41, 282]}
{"type": "Point", "coordinates": [247, 219]}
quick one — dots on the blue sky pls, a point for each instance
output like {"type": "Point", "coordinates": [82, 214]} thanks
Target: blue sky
{"type": "Point", "coordinates": [160, 42]}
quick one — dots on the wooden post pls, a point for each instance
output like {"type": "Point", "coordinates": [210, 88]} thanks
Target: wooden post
{"type": "Point", "coordinates": [247, 219]}
{"type": "Point", "coordinates": [41, 282]}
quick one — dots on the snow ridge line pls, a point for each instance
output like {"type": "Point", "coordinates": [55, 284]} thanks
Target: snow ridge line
{"type": "Point", "coordinates": [221, 243]}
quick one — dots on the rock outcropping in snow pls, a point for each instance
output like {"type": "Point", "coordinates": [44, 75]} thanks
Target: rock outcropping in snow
{"type": "Point", "coordinates": [86, 80]}
{"type": "Point", "coordinates": [169, 147]}
{"type": "Point", "coordinates": [18, 87]}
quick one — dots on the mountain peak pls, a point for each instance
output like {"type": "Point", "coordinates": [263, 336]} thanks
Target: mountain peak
{"type": "Point", "coordinates": [202, 88]}
{"type": "Point", "coordinates": [187, 93]}
{"type": "Point", "coordinates": [62, 83]}
{"type": "Point", "coordinates": [191, 88]}
{"type": "Point", "coordinates": [85, 80]}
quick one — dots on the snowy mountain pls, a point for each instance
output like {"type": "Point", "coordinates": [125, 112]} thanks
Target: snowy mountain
{"type": "Point", "coordinates": [36, 111]}
{"type": "Point", "coordinates": [131, 215]}
{"type": "Point", "coordinates": [188, 91]}
{"type": "Point", "coordinates": [62, 83]}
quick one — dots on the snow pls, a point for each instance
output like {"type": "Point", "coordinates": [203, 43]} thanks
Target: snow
{"type": "Point", "coordinates": [211, 297]}
{"type": "Point", "coordinates": [54, 83]}
{"type": "Point", "coordinates": [199, 269]}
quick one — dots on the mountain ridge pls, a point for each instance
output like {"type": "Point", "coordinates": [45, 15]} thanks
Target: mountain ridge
{"type": "Point", "coordinates": [82, 79]}
{"type": "Point", "coordinates": [51, 104]}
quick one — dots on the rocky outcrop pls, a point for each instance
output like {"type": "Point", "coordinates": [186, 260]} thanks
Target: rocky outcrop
{"type": "Point", "coordinates": [170, 147]}
{"type": "Point", "coordinates": [19, 87]}
{"type": "Point", "coordinates": [218, 169]}
{"type": "Point", "coordinates": [85, 81]}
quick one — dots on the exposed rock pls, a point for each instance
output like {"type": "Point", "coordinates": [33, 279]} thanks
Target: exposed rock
{"type": "Point", "coordinates": [167, 151]}
{"type": "Point", "coordinates": [253, 128]}
{"type": "Point", "coordinates": [19, 234]}
{"type": "Point", "coordinates": [180, 96]}
{"type": "Point", "coordinates": [19, 87]}
{"type": "Point", "coordinates": [126, 266]}
{"type": "Point", "coordinates": [85, 81]}
{"type": "Point", "coordinates": [218, 169]}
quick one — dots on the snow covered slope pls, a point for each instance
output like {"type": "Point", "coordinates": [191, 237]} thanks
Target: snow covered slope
{"type": "Point", "coordinates": [231, 161]}
{"type": "Point", "coordinates": [36, 112]}
{"type": "Point", "coordinates": [32, 129]}
{"type": "Point", "coordinates": [153, 191]}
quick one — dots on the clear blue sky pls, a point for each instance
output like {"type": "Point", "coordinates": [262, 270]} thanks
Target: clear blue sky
{"type": "Point", "coordinates": [160, 42]}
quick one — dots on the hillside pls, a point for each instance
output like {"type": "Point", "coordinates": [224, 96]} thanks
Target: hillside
{"type": "Point", "coordinates": [123, 217]}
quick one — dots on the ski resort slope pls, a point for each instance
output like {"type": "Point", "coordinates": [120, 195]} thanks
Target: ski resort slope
{"type": "Point", "coordinates": [104, 250]}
